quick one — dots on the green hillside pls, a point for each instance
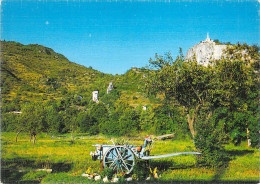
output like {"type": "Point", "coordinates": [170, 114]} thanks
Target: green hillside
{"type": "Point", "coordinates": [36, 77]}
{"type": "Point", "coordinates": [37, 73]}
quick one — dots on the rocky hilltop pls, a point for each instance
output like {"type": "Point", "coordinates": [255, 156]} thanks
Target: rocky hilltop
{"type": "Point", "coordinates": [205, 51]}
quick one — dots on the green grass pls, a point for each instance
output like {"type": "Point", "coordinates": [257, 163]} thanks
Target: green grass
{"type": "Point", "coordinates": [65, 178]}
{"type": "Point", "coordinates": [68, 160]}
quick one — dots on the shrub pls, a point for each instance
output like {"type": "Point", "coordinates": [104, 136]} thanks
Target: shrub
{"type": "Point", "coordinates": [110, 128]}
{"type": "Point", "coordinates": [141, 170]}
{"type": "Point", "coordinates": [209, 141]}
{"type": "Point", "coordinates": [107, 172]}
{"type": "Point", "coordinates": [254, 128]}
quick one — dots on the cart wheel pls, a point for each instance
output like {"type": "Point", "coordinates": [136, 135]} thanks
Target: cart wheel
{"type": "Point", "coordinates": [120, 159]}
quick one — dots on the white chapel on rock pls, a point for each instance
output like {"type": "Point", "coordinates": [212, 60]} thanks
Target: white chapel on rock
{"type": "Point", "coordinates": [206, 51]}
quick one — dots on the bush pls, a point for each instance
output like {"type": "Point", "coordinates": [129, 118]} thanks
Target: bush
{"type": "Point", "coordinates": [128, 122]}
{"type": "Point", "coordinates": [209, 141]}
{"type": "Point", "coordinates": [107, 172]}
{"type": "Point", "coordinates": [163, 124]}
{"type": "Point", "coordinates": [110, 128]}
{"type": "Point", "coordinates": [254, 128]}
{"type": "Point", "coordinates": [141, 170]}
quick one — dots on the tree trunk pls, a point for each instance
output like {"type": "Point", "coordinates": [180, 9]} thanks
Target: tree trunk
{"type": "Point", "coordinates": [34, 138]}
{"type": "Point", "coordinates": [17, 135]}
{"type": "Point", "coordinates": [248, 139]}
{"type": "Point", "coordinates": [191, 120]}
{"type": "Point", "coordinates": [30, 137]}
{"type": "Point", "coordinates": [191, 124]}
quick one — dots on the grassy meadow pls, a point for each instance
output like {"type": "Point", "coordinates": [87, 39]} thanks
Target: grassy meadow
{"type": "Point", "coordinates": [69, 158]}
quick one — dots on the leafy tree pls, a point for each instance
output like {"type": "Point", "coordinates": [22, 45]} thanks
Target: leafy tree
{"type": "Point", "coordinates": [87, 123]}
{"type": "Point", "coordinates": [236, 91]}
{"type": "Point", "coordinates": [71, 123]}
{"type": "Point", "coordinates": [253, 129]}
{"type": "Point", "coordinates": [229, 83]}
{"type": "Point", "coordinates": [129, 122]}
{"type": "Point", "coordinates": [162, 121]}
{"type": "Point", "coordinates": [110, 127]}
{"type": "Point", "coordinates": [110, 98]}
{"type": "Point", "coordinates": [99, 111]}
{"type": "Point", "coordinates": [187, 83]}
{"type": "Point", "coordinates": [122, 120]}
{"type": "Point", "coordinates": [10, 123]}
{"type": "Point", "coordinates": [117, 110]}
{"type": "Point", "coordinates": [32, 119]}
{"type": "Point", "coordinates": [146, 119]}
{"type": "Point", "coordinates": [54, 120]}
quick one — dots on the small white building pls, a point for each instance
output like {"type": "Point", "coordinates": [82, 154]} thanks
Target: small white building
{"type": "Point", "coordinates": [95, 96]}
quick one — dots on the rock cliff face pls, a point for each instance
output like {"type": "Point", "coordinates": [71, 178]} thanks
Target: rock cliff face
{"type": "Point", "coordinates": [110, 87]}
{"type": "Point", "coordinates": [206, 51]}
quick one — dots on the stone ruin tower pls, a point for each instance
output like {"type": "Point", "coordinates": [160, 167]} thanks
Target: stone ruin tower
{"type": "Point", "coordinates": [95, 96]}
{"type": "Point", "coordinates": [110, 87]}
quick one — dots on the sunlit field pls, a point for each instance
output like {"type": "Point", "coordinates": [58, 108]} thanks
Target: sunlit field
{"type": "Point", "coordinates": [69, 158]}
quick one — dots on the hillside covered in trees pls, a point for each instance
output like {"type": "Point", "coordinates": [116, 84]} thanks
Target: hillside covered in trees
{"type": "Point", "coordinates": [35, 73]}
{"type": "Point", "coordinates": [35, 78]}
{"type": "Point", "coordinates": [42, 91]}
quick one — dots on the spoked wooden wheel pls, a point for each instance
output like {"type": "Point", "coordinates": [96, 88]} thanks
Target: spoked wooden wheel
{"type": "Point", "coordinates": [120, 159]}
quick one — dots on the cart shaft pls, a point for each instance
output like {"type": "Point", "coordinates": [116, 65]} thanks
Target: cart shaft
{"type": "Point", "coordinates": [169, 155]}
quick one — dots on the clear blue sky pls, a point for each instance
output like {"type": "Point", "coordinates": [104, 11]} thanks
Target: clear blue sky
{"type": "Point", "coordinates": [113, 36]}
